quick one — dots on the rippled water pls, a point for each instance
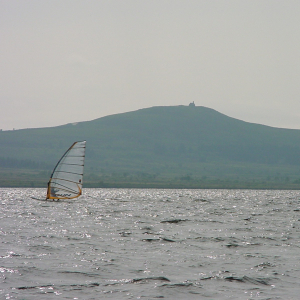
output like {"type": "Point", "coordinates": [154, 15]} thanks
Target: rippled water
{"type": "Point", "coordinates": [150, 244]}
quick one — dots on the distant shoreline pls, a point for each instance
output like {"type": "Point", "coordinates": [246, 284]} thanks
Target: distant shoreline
{"type": "Point", "coordinates": [163, 185]}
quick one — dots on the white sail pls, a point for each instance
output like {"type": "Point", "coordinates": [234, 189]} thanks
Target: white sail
{"type": "Point", "coordinates": [66, 179]}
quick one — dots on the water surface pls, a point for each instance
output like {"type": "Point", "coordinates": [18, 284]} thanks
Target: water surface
{"type": "Point", "coordinates": [150, 244]}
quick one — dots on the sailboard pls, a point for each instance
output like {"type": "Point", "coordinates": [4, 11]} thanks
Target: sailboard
{"type": "Point", "coordinates": [66, 179]}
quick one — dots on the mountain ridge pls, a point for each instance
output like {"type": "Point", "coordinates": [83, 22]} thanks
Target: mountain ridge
{"type": "Point", "coordinates": [164, 141]}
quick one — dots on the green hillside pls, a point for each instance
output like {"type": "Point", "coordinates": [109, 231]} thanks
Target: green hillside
{"type": "Point", "coordinates": [176, 146]}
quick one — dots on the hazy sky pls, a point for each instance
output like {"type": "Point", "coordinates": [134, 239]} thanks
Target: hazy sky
{"type": "Point", "coordinates": [69, 61]}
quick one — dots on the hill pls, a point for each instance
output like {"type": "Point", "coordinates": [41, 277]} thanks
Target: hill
{"type": "Point", "coordinates": [176, 146]}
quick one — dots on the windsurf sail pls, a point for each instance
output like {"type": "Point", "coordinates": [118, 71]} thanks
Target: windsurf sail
{"type": "Point", "coordinates": [66, 179]}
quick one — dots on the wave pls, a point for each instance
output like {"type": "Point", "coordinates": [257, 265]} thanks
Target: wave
{"type": "Point", "coordinates": [174, 221]}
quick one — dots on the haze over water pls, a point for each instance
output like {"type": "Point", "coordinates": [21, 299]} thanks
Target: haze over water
{"type": "Point", "coordinates": [150, 244]}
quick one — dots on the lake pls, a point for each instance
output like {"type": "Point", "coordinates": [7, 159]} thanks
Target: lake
{"type": "Point", "coordinates": [150, 244]}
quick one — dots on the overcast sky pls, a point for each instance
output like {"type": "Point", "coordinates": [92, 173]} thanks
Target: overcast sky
{"type": "Point", "coordinates": [69, 61]}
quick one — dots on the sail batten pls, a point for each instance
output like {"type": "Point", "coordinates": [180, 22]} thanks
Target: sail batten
{"type": "Point", "coordinates": [66, 179]}
{"type": "Point", "coordinates": [68, 173]}
{"type": "Point", "coordinates": [73, 164]}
